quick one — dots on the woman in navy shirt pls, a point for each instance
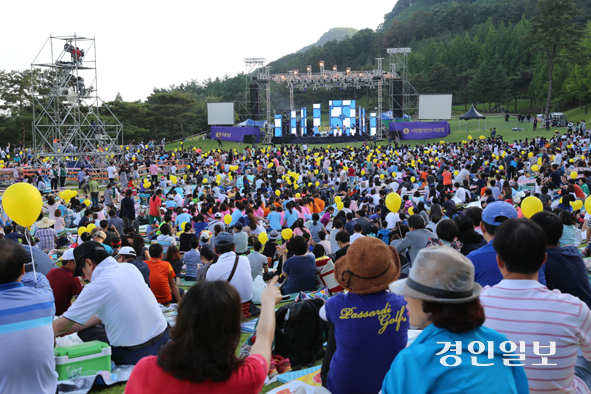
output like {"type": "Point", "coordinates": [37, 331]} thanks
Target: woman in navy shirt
{"type": "Point", "coordinates": [369, 325]}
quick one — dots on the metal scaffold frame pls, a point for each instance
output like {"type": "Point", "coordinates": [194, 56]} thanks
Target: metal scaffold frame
{"type": "Point", "coordinates": [326, 79]}
{"type": "Point", "coordinates": [254, 67]}
{"type": "Point", "coordinates": [406, 98]}
{"type": "Point", "coordinates": [67, 115]}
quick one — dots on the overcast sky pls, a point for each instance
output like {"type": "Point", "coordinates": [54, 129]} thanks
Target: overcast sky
{"type": "Point", "coordinates": [142, 45]}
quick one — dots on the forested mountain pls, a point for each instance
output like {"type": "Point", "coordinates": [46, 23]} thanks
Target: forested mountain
{"type": "Point", "coordinates": [334, 34]}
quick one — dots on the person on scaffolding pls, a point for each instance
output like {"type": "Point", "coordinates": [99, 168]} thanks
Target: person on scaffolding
{"type": "Point", "coordinates": [80, 87]}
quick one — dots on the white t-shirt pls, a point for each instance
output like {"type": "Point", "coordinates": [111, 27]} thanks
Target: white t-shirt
{"type": "Point", "coordinates": [392, 218]}
{"type": "Point", "coordinates": [242, 279]}
{"type": "Point", "coordinates": [356, 236]}
{"type": "Point", "coordinates": [129, 320]}
{"type": "Point", "coordinates": [111, 172]}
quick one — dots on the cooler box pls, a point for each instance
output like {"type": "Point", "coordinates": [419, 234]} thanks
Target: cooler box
{"type": "Point", "coordinates": [91, 356]}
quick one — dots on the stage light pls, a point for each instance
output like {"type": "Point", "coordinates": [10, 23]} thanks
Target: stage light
{"type": "Point", "coordinates": [334, 68]}
{"type": "Point", "coordinates": [309, 68]}
{"type": "Point", "coordinates": [321, 64]}
{"type": "Point", "coordinates": [348, 70]}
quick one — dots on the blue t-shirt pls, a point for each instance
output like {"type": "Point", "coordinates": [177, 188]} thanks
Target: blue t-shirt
{"type": "Point", "coordinates": [370, 330]}
{"type": "Point", "coordinates": [291, 217]}
{"type": "Point", "coordinates": [418, 370]}
{"type": "Point", "coordinates": [314, 230]}
{"type": "Point", "coordinates": [236, 215]}
{"type": "Point", "coordinates": [274, 218]}
{"type": "Point", "coordinates": [301, 272]}
{"type": "Point", "coordinates": [486, 270]}
{"type": "Point", "coordinates": [183, 217]}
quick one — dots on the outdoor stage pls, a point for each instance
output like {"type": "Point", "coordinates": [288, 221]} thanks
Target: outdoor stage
{"type": "Point", "coordinates": [344, 139]}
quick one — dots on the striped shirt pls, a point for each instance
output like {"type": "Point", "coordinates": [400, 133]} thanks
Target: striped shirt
{"type": "Point", "coordinates": [26, 338]}
{"type": "Point", "coordinates": [525, 310]}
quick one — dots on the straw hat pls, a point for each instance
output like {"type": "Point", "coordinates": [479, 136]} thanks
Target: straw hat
{"type": "Point", "coordinates": [368, 267]}
{"type": "Point", "coordinates": [45, 223]}
{"type": "Point", "coordinates": [440, 274]}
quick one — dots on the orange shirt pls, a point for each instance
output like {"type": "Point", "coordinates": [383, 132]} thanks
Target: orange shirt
{"type": "Point", "coordinates": [319, 204]}
{"type": "Point", "coordinates": [160, 272]}
{"type": "Point", "coordinates": [446, 178]}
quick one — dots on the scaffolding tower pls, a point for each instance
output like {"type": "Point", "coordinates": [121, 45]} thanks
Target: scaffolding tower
{"type": "Point", "coordinates": [257, 95]}
{"type": "Point", "coordinates": [70, 121]}
{"type": "Point", "coordinates": [403, 96]}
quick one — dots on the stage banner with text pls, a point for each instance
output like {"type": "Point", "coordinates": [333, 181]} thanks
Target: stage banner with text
{"type": "Point", "coordinates": [234, 133]}
{"type": "Point", "coordinates": [420, 130]}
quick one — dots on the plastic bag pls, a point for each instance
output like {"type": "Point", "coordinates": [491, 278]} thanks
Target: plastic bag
{"type": "Point", "coordinates": [258, 285]}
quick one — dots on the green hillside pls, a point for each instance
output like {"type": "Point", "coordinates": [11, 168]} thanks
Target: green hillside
{"type": "Point", "coordinates": [336, 34]}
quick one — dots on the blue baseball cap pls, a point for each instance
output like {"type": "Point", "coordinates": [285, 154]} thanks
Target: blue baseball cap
{"type": "Point", "coordinates": [498, 209]}
{"type": "Point", "coordinates": [224, 238]}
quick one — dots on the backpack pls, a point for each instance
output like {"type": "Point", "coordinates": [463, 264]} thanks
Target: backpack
{"type": "Point", "coordinates": [300, 332]}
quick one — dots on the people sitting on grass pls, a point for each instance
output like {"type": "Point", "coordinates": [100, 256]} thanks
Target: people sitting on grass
{"type": "Point", "coordinates": [134, 326]}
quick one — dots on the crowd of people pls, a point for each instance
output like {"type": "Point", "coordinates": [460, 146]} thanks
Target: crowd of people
{"type": "Point", "coordinates": [432, 238]}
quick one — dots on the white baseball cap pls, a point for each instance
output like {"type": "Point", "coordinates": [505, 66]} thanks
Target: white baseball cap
{"type": "Point", "coordinates": [127, 250]}
{"type": "Point", "coordinates": [68, 255]}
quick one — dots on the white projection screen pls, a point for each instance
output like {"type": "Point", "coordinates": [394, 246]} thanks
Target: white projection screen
{"type": "Point", "coordinates": [435, 106]}
{"type": "Point", "coordinates": [220, 113]}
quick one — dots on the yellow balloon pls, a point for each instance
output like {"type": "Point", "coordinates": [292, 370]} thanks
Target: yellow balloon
{"type": "Point", "coordinates": [535, 168]}
{"type": "Point", "coordinates": [501, 168]}
{"type": "Point", "coordinates": [410, 211]}
{"type": "Point", "coordinates": [456, 172]}
{"type": "Point", "coordinates": [82, 230]}
{"type": "Point", "coordinates": [340, 205]}
{"type": "Point", "coordinates": [530, 206]}
{"type": "Point", "coordinates": [188, 167]}
{"type": "Point", "coordinates": [588, 204]}
{"type": "Point", "coordinates": [413, 179]}
{"type": "Point", "coordinates": [278, 193]}
{"type": "Point", "coordinates": [393, 202]}
{"type": "Point", "coordinates": [286, 233]}
{"type": "Point", "coordinates": [87, 202]}
{"type": "Point", "coordinates": [228, 219]}
{"type": "Point", "coordinates": [337, 199]}
{"type": "Point", "coordinates": [90, 227]}
{"type": "Point", "coordinates": [204, 180]}
{"type": "Point", "coordinates": [22, 203]}
{"type": "Point", "coordinates": [574, 175]}
{"type": "Point", "coordinates": [263, 238]}
{"type": "Point", "coordinates": [317, 184]}
{"type": "Point", "coordinates": [298, 195]}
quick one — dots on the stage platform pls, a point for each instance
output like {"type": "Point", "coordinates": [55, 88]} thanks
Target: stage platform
{"type": "Point", "coordinates": [292, 139]}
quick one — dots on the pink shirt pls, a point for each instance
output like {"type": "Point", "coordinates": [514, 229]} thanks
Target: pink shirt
{"type": "Point", "coordinates": [525, 310]}
{"type": "Point", "coordinates": [153, 169]}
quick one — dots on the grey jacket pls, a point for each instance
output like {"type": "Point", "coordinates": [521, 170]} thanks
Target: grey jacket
{"type": "Point", "coordinates": [414, 241]}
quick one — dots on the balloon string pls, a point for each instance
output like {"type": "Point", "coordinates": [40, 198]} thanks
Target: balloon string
{"type": "Point", "coordinates": [32, 258]}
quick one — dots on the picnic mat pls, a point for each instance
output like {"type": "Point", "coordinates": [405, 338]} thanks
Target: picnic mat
{"type": "Point", "coordinates": [305, 375]}
{"type": "Point", "coordinates": [248, 326]}
{"type": "Point", "coordinates": [308, 381]}
{"type": "Point", "coordinates": [83, 384]}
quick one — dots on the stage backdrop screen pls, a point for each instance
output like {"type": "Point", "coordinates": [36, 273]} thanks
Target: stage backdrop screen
{"type": "Point", "coordinates": [220, 113]}
{"type": "Point", "coordinates": [435, 106]}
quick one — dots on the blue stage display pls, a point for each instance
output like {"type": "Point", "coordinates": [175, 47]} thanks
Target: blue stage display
{"type": "Point", "coordinates": [292, 122]}
{"type": "Point", "coordinates": [316, 113]}
{"type": "Point", "coordinates": [278, 126]}
{"type": "Point", "coordinates": [342, 116]}
{"type": "Point", "coordinates": [303, 118]}
{"type": "Point", "coordinates": [373, 124]}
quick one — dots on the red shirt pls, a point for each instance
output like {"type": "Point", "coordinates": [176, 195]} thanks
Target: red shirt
{"type": "Point", "coordinates": [147, 377]}
{"type": "Point", "coordinates": [65, 286]}
{"type": "Point", "coordinates": [351, 171]}
{"type": "Point", "coordinates": [155, 203]}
